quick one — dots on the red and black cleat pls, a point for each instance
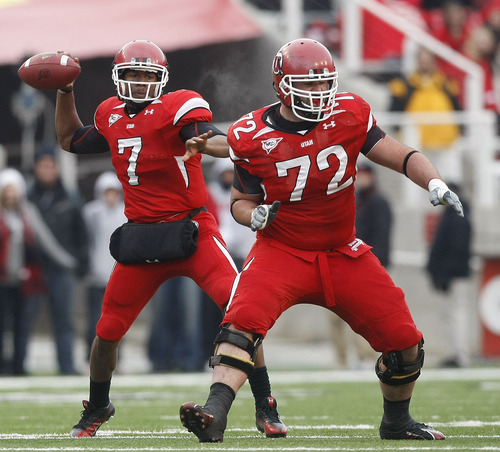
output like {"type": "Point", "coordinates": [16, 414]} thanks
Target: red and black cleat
{"type": "Point", "coordinates": [268, 419]}
{"type": "Point", "coordinates": [92, 418]}
{"type": "Point", "coordinates": [412, 430]}
{"type": "Point", "coordinates": [202, 423]}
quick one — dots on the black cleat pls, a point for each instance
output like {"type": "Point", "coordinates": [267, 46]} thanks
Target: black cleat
{"type": "Point", "coordinates": [92, 418]}
{"type": "Point", "coordinates": [268, 419]}
{"type": "Point", "coordinates": [412, 430]}
{"type": "Point", "coordinates": [202, 423]}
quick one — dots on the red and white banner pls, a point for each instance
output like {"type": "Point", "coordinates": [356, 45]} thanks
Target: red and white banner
{"type": "Point", "coordinates": [489, 308]}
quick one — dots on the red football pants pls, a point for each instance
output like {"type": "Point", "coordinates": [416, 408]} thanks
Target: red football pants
{"type": "Point", "coordinates": [358, 289]}
{"type": "Point", "coordinates": [130, 287]}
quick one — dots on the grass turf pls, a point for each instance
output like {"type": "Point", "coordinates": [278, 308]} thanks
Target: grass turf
{"type": "Point", "coordinates": [325, 411]}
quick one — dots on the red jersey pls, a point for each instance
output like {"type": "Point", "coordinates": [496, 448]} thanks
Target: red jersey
{"type": "Point", "coordinates": [311, 172]}
{"type": "Point", "coordinates": [146, 151]}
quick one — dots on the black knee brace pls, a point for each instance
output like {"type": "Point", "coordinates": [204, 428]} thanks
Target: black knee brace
{"type": "Point", "coordinates": [241, 341]}
{"type": "Point", "coordinates": [398, 372]}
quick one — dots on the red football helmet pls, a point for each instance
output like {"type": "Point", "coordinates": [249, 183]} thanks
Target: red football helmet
{"type": "Point", "coordinates": [143, 56]}
{"type": "Point", "coordinates": [305, 60]}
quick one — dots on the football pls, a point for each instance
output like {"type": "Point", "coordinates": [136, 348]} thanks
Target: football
{"type": "Point", "coordinates": [49, 71]}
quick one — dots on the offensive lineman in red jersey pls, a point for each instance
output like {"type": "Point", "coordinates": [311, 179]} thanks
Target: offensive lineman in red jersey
{"type": "Point", "coordinates": [295, 166]}
{"type": "Point", "coordinates": [155, 140]}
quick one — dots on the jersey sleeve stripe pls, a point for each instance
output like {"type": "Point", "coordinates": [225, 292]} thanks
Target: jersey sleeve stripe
{"type": "Point", "coordinates": [190, 105]}
{"type": "Point", "coordinates": [233, 156]}
{"type": "Point", "coordinates": [370, 122]}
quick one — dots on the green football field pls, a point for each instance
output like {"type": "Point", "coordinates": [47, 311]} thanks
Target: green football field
{"type": "Point", "coordinates": [324, 410]}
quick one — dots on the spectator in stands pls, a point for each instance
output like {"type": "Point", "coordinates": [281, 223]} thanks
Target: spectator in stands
{"type": "Point", "coordinates": [322, 31]}
{"type": "Point", "coordinates": [491, 17]}
{"type": "Point", "coordinates": [61, 211]}
{"type": "Point", "coordinates": [102, 216]}
{"type": "Point", "coordinates": [239, 239]}
{"type": "Point", "coordinates": [457, 22]}
{"type": "Point", "coordinates": [481, 48]}
{"type": "Point", "coordinates": [175, 341]}
{"type": "Point", "coordinates": [23, 235]}
{"type": "Point", "coordinates": [449, 269]}
{"type": "Point", "coordinates": [429, 90]}
{"type": "Point", "coordinates": [463, 30]}
{"type": "Point", "coordinates": [373, 213]}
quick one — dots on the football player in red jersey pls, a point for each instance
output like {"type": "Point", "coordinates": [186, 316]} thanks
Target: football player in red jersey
{"type": "Point", "coordinates": [295, 164]}
{"type": "Point", "coordinates": [156, 141]}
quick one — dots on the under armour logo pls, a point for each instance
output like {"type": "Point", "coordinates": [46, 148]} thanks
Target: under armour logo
{"type": "Point", "coordinates": [113, 118]}
{"type": "Point", "coordinates": [330, 124]}
{"type": "Point", "coordinates": [270, 144]}
{"type": "Point", "coordinates": [149, 112]}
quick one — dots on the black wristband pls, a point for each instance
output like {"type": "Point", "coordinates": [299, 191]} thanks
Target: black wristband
{"type": "Point", "coordinates": [405, 162]}
{"type": "Point", "coordinates": [231, 208]}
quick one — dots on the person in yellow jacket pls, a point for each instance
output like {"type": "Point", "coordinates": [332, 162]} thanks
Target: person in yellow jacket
{"type": "Point", "coordinates": [429, 90]}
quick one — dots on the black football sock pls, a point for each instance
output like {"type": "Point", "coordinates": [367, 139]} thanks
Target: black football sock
{"type": "Point", "coordinates": [260, 385]}
{"type": "Point", "coordinates": [220, 399]}
{"type": "Point", "coordinates": [396, 412]}
{"type": "Point", "coordinates": [99, 393]}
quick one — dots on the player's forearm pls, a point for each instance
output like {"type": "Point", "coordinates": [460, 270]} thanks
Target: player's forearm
{"type": "Point", "coordinates": [217, 146]}
{"type": "Point", "coordinates": [392, 154]}
{"type": "Point", "coordinates": [242, 209]}
{"type": "Point", "coordinates": [420, 170]}
{"type": "Point", "coordinates": [67, 121]}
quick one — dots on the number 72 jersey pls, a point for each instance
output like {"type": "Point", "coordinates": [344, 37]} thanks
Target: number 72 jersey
{"type": "Point", "coordinates": [311, 172]}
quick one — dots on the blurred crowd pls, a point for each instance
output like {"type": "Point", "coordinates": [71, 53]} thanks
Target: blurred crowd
{"type": "Point", "coordinates": [470, 27]}
{"type": "Point", "coordinates": [53, 244]}
{"type": "Point", "coordinates": [52, 241]}
{"type": "Point", "coordinates": [43, 251]}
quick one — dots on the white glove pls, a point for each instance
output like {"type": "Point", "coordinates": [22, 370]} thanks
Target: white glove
{"type": "Point", "coordinates": [263, 215]}
{"type": "Point", "coordinates": [439, 193]}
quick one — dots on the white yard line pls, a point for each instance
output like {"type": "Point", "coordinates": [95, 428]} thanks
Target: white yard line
{"type": "Point", "coordinates": [254, 449]}
{"type": "Point", "coordinates": [195, 379]}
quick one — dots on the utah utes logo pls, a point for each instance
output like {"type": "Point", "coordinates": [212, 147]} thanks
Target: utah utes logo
{"type": "Point", "coordinates": [113, 118]}
{"type": "Point", "coordinates": [278, 64]}
{"type": "Point", "coordinates": [270, 144]}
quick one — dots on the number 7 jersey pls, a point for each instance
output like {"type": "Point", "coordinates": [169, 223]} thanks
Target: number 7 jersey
{"type": "Point", "coordinates": [311, 171]}
{"type": "Point", "coordinates": [146, 151]}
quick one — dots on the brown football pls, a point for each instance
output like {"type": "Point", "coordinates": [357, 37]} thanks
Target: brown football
{"type": "Point", "coordinates": [49, 71]}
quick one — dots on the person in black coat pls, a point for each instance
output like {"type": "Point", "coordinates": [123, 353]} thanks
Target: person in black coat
{"type": "Point", "coordinates": [373, 214]}
{"type": "Point", "coordinates": [61, 210]}
{"type": "Point", "coordinates": [449, 268]}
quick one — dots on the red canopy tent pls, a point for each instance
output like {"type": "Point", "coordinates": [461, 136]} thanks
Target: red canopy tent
{"type": "Point", "coordinates": [98, 28]}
